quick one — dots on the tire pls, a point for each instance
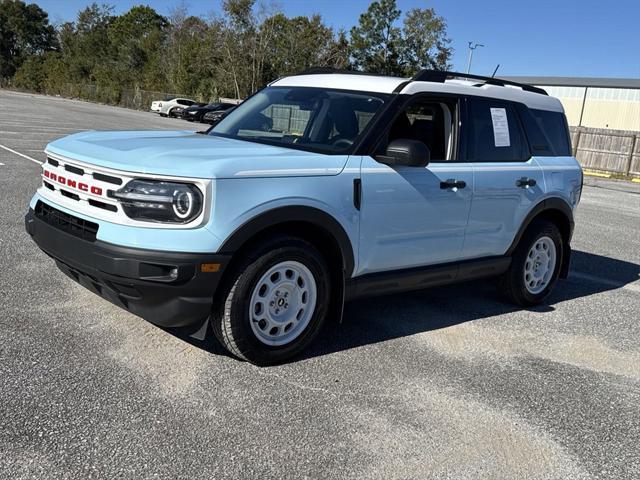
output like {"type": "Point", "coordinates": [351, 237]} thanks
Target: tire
{"type": "Point", "coordinates": [274, 303]}
{"type": "Point", "coordinates": [535, 265]}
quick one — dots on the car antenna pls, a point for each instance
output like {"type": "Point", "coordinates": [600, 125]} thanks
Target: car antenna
{"type": "Point", "coordinates": [494, 72]}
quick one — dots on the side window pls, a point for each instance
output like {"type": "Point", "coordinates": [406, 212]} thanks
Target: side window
{"type": "Point", "coordinates": [494, 133]}
{"type": "Point", "coordinates": [428, 121]}
{"type": "Point", "coordinates": [554, 126]}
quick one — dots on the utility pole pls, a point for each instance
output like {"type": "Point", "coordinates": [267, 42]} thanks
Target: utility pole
{"type": "Point", "coordinates": [472, 47]}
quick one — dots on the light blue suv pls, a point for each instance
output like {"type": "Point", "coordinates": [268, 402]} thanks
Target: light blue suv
{"type": "Point", "coordinates": [320, 188]}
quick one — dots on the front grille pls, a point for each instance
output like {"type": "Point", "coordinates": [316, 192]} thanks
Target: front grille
{"type": "Point", "coordinates": [72, 169]}
{"type": "Point", "coordinates": [70, 224]}
{"type": "Point", "coordinates": [107, 178]}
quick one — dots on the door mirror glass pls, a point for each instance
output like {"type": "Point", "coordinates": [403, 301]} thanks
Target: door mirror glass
{"type": "Point", "coordinates": [409, 153]}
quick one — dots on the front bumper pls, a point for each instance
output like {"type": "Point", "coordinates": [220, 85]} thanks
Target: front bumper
{"type": "Point", "coordinates": [166, 288]}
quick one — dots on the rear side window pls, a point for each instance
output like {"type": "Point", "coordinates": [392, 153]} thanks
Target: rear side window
{"type": "Point", "coordinates": [554, 126]}
{"type": "Point", "coordinates": [494, 133]}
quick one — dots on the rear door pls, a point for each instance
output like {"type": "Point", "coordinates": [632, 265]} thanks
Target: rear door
{"type": "Point", "coordinates": [508, 181]}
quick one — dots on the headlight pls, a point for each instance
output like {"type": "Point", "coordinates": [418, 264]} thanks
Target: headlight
{"type": "Point", "coordinates": [192, 113]}
{"type": "Point", "coordinates": [158, 201]}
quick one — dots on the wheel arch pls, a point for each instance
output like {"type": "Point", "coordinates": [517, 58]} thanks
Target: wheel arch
{"type": "Point", "coordinates": [309, 220]}
{"type": "Point", "coordinates": [317, 227]}
{"type": "Point", "coordinates": [557, 211]}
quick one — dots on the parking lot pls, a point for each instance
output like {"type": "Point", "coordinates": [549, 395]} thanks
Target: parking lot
{"type": "Point", "coordinates": [447, 383]}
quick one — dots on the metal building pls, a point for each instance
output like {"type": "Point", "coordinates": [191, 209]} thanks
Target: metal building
{"type": "Point", "coordinates": [612, 103]}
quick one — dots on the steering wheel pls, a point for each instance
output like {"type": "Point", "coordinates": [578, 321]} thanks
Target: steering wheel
{"type": "Point", "coordinates": [342, 143]}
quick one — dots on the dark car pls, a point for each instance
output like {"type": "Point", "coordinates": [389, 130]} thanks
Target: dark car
{"type": "Point", "coordinates": [195, 113]}
{"type": "Point", "coordinates": [212, 118]}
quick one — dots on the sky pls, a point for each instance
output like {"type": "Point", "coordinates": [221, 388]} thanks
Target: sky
{"type": "Point", "coordinates": [581, 38]}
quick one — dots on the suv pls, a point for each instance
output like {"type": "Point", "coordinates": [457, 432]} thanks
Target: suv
{"type": "Point", "coordinates": [320, 188]}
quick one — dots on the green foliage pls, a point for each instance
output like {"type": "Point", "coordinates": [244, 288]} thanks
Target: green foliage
{"type": "Point", "coordinates": [379, 45]}
{"type": "Point", "coordinates": [24, 32]}
{"type": "Point", "coordinates": [117, 58]}
{"type": "Point", "coordinates": [376, 43]}
{"type": "Point", "coordinates": [425, 41]}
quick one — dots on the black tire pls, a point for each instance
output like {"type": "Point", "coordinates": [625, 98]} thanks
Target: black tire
{"type": "Point", "coordinates": [512, 283]}
{"type": "Point", "coordinates": [231, 322]}
{"type": "Point", "coordinates": [163, 114]}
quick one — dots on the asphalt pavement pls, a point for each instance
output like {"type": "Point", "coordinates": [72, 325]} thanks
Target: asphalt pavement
{"type": "Point", "coordinates": [446, 383]}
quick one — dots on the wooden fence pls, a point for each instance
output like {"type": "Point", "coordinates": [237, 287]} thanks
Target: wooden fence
{"type": "Point", "coordinates": [616, 151]}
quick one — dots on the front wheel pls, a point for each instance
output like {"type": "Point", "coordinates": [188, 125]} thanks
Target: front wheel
{"type": "Point", "coordinates": [535, 265]}
{"type": "Point", "coordinates": [275, 302]}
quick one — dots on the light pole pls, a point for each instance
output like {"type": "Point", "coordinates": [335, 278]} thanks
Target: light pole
{"type": "Point", "coordinates": [472, 47]}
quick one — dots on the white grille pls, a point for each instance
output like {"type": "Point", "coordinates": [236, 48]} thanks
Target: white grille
{"type": "Point", "coordinates": [84, 188]}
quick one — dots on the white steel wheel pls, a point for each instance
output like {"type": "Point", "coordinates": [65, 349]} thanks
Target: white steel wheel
{"type": "Point", "coordinates": [282, 303]}
{"type": "Point", "coordinates": [540, 265]}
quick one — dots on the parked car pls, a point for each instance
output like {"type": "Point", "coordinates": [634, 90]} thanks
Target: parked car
{"type": "Point", "coordinates": [320, 188]}
{"type": "Point", "coordinates": [195, 113]}
{"type": "Point", "coordinates": [213, 118]}
{"type": "Point", "coordinates": [169, 106]}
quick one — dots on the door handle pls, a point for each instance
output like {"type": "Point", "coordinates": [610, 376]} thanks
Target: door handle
{"type": "Point", "coordinates": [452, 183]}
{"type": "Point", "coordinates": [525, 182]}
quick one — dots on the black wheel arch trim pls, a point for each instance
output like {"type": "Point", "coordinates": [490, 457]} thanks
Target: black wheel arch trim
{"type": "Point", "coordinates": [546, 205]}
{"type": "Point", "coordinates": [294, 213]}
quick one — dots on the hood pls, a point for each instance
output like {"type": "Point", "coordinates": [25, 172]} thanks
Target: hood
{"type": "Point", "coordinates": [188, 154]}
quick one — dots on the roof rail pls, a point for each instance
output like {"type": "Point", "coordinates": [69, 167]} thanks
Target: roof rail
{"type": "Point", "coordinates": [441, 76]}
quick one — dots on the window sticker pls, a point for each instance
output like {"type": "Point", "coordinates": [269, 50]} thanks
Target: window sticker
{"type": "Point", "coordinates": [500, 127]}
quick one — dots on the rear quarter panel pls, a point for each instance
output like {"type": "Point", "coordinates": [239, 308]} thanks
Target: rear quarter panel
{"type": "Point", "coordinates": [562, 178]}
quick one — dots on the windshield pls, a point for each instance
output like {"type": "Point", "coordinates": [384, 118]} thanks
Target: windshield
{"type": "Point", "coordinates": [316, 119]}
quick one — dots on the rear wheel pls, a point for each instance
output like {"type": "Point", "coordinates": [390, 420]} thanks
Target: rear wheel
{"type": "Point", "coordinates": [535, 265]}
{"type": "Point", "coordinates": [275, 302]}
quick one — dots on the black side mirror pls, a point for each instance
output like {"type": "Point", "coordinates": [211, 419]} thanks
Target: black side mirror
{"type": "Point", "coordinates": [409, 153]}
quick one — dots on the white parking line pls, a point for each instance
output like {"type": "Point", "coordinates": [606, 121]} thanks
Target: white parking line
{"type": "Point", "coordinates": [21, 154]}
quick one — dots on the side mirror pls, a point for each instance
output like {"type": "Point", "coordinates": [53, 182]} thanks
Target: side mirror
{"type": "Point", "coordinates": [409, 153]}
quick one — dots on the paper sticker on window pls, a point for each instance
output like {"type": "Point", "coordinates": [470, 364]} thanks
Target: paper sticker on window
{"type": "Point", "coordinates": [500, 127]}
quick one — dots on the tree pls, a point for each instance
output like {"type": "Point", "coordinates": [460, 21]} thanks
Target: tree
{"type": "Point", "coordinates": [245, 41]}
{"type": "Point", "coordinates": [135, 38]}
{"type": "Point", "coordinates": [85, 43]}
{"type": "Point", "coordinates": [426, 44]}
{"type": "Point", "coordinates": [378, 45]}
{"type": "Point", "coordinates": [24, 32]}
{"type": "Point", "coordinates": [297, 43]}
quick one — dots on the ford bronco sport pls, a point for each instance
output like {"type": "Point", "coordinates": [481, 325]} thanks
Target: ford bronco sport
{"type": "Point", "coordinates": [320, 188]}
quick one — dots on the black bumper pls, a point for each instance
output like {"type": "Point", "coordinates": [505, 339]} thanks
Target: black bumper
{"type": "Point", "coordinates": [166, 288]}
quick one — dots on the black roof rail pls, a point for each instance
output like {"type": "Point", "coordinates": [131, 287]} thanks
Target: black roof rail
{"type": "Point", "coordinates": [440, 76]}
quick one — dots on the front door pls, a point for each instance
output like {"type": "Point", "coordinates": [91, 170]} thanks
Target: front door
{"type": "Point", "coordinates": [416, 216]}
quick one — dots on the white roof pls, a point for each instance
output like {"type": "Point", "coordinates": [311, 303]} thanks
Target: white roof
{"type": "Point", "coordinates": [383, 84]}
{"type": "Point", "coordinates": [343, 81]}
